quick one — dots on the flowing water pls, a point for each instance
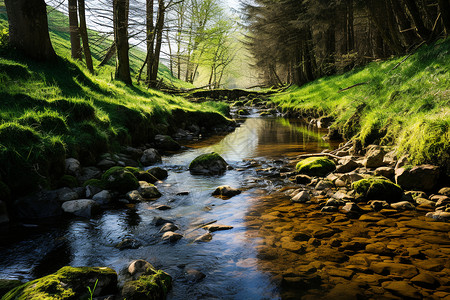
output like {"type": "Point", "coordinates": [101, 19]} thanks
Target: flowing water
{"type": "Point", "coordinates": [229, 260]}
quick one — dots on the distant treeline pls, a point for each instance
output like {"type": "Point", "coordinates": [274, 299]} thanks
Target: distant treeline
{"type": "Point", "coordinates": [296, 41]}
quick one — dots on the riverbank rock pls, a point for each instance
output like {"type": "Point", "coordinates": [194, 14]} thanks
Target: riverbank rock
{"type": "Point", "coordinates": [208, 164]}
{"type": "Point", "coordinates": [346, 165]}
{"type": "Point", "coordinates": [165, 142]}
{"type": "Point", "coordinates": [158, 173]}
{"type": "Point", "coordinates": [85, 208]}
{"type": "Point", "coordinates": [120, 179]}
{"type": "Point", "coordinates": [439, 216]}
{"type": "Point", "coordinates": [378, 188]}
{"type": "Point", "coordinates": [148, 190]}
{"type": "Point", "coordinates": [315, 166]}
{"type": "Point", "coordinates": [102, 198]}
{"type": "Point", "coordinates": [374, 157]}
{"type": "Point", "coordinates": [68, 283]}
{"type": "Point", "coordinates": [423, 177]}
{"type": "Point", "coordinates": [72, 167]}
{"type": "Point", "coordinates": [151, 156]}
{"type": "Point", "coordinates": [150, 284]}
{"type": "Point", "coordinates": [301, 197]}
{"type": "Point", "coordinates": [171, 237]}
{"type": "Point", "coordinates": [43, 204]}
{"type": "Point", "coordinates": [128, 244]}
{"type": "Point", "coordinates": [226, 191]}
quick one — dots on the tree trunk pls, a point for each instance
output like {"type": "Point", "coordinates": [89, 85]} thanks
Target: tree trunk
{"type": "Point", "coordinates": [74, 30]}
{"type": "Point", "coordinates": [444, 7]}
{"type": "Point", "coordinates": [28, 29]}
{"type": "Point", "coordinates": [120, 12]}
{"type": "Point", "coordinates": [159, 32]}
{"type": "Point", "coordinates": [84, 36]}
{"type": "Point", "coordinates": [108, 55]}
{"type": "Point", "coordinates": [423, 32]}
{"type": "Point", "coordinates": [403, 23]}
{"type": "Point", "coordinates": [150, 38]}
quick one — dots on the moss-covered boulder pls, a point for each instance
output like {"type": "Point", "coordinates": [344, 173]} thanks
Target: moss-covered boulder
{"type": "Point", "coordinates": [316, 166]}
{"type": "Point", "coordinates": [165, 142]}
{"type": "Point", "coordinates": [68, 283]}
{"type": "Point", "coordinates": [208, 164]}
{"type": "Point", "coordinates": [153, 285]}
{"type": "Point", "coordinates": [378, 188]}
{"type": "Point", "coordinates": [120, 179]}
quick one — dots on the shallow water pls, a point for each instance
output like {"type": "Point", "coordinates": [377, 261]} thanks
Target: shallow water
{"type": "Point", "coordinates": [229, 261]}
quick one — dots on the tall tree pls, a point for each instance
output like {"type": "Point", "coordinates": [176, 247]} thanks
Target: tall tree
{"type": "Point", "coordinates": [150, 38]}
{"type": "Point", "coordinates": [120, 16]}
{"type": "Point", "coordinates": [28, 28]}
{"type": "Point", "coordinates": [444, 7]}
{"type": "Point", "coordinates": [74, 30]}
{"type": "Point", "coordinates": [159, 33]}
{"type": "Point", "coordinates": [84, 36]}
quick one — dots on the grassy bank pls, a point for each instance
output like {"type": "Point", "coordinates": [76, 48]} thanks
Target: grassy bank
{"type": "Point", "coordinates": [406, 105]}
{"type": "Point", "coordinates": [51, 112]}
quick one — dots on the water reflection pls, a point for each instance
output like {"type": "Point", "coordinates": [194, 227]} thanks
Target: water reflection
{"type": "Point", "coordinates": [230, 261]}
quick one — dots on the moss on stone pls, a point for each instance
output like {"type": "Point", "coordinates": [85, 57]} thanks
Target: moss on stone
{"type": "Point", "coordinates": [67, 283]}
{"type": "Point", "coordinates": [152, 287]}
{"type": "Point", "coordinates": [378, 188]}
{"type": "Point", "coordinates": [94, 182]}
{"type": "Point", "coordinates": [315, 166]}
{"type": "Point", "coordinates": [120, 179]}
{"type": "Point", "coordinates": [210, 163]}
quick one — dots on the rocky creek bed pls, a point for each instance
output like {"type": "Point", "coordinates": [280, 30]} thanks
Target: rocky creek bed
{"type": "Point", "coordinates": [334, 226]}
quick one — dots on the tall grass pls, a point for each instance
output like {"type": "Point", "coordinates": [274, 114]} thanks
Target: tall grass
{"type": "Point", "coordinates": [407, 107]}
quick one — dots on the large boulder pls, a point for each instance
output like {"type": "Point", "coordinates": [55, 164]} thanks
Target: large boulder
{"type": "Point", "coordinates": [148, 190]}
{"type": "Point", "coordinates": [148, 282]}
{"type": "Point", "coordinates": [374, 157]}
{"type": "Point", "coordinates": [150, 156]}
{"type": "Point", "coordinates": [82, 208]}
{"type": "Point", "coordinates": [158, 173]}
{"type": "Point", "coordinates": [226, 191]}
{"type": "Point", "coordinates": [316, 166]}
{"type": "Point", "coordinates": [378, 188]}
{"type": "Point", "coordinates": [423, 177]}
{"type": "Point", "coordinates": [68, 283]}
{"type": "Point", "coordinates": [208, 164]}
{"type": "Point", "coordinates": [72, 167]}
{"type": "Point", "coordinates": [346, 165]}
{"type": "Point", "coordinates": [165, 142]}
{"type": "Point", "coordinates": [43, 204]}
{"type": "Point", "coordinates": [120, 179]}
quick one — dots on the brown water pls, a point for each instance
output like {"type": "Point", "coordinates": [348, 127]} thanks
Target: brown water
{"type": "Point", "coordinates": [230, 261]}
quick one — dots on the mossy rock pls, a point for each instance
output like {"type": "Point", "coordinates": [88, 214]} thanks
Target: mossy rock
{"type": "Point", "coordinates": [67, 283]}
{"type": "Point", "coordinates": [153, 287]}
{"type": "Point", "coordinates": [94, 182]}
{"type": "Point", "coordinates": [243, 112]}
{"type": "Point", "coordinates": [120, 179]}
{"type": "Point", "coordinates": [7, 285]}
{"type": "Point", "coordinates": [316, 166]}
{"type": "Point", "coordinates": [208, 164]}
{"type": "Point", "coordinates": [378, 188]}
{"type": "Point", "coordinates": [68, 181]}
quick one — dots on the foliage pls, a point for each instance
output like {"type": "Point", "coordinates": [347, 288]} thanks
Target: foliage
{"type": "Point", "coordinates": [408, 107]}
{"type": "Point", "coordinates": [378, 188]}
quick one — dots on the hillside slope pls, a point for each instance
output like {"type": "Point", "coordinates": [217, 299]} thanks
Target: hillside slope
{"type": "Point", "coordinates": [404, 102]}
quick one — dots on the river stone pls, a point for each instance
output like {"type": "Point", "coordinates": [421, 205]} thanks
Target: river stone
{"type": "Point", "coordinates": [425, 280]}
{"type": "Point", "coordinates": [440, 200]}
{"type": "Point", "coordinates": [67, 194]}
{"type": "Point", "coordinates": [423, 177]}
{"type": "Point", "coordinates": [153, 284]}
{"type": "Point", "coordinates": [352, 208]}
{"type": "Point", "coordinates": [402, 289]}
{"type": "Point", "coordinates": [324, 185]}
{"type": "Point", "coordinates": [316, 166]}
{"type": "Point", "coordinates": [424, 201]}
{"type": "Point", "coordinates": [165, 142]}
{"type": "Point", "coordinates": [207, 237]}
{"type": "Point", "coordinates": [171, 237]}
{"type": "Point", "coordinates": [301, 197]}
{"type": "Point", "coordinates": [134, 196]}
{"type": "Point", "coordinates": [72, 167]}
{"type": "Point", "coordinates": [150, 157]}
{"type": "Point", "coordinates": [128, 244]}
{"type": "Point", "coordinates": [91, 190]}
{"type": "Point", "coordinates": [416, 194]}
{"type": "Point", "coordinates": [82, 208]}
{"type": "Point", "coordinates": [168, 227]}
{"type": "Point", "coordinates": [120, 179]}
{"type": "Point", "coordinates": [4, 217]}
{"type": "Point", "coordinates": [302, 179]}
{"type": "Point", "coordinates": [102, 198]}
{"type": "Point", "coordinates": [335, 202]}
{"type": "Point", "coordinates": [439, 216]}
{"type": "Point", "coordinates": [403, 205]}
{"type": "Point", "coordinates": [226, 191]}
{"type": "Point", "coordinates": [68, 283]}
{"type": "Point", "coordinates": [139, 267]}
{"type": "Point", "coordinates": [158, 173]}
{"type": "Point", "coordinates": [208, 164]}
{"type": "Point", "coordinates": [163, 207]}
{"type": "Point", "coordinates": [378, 188]}
{"type": "Point", "coordinates": [89, 173]}
{"type": "Point", "coordinates": [194, 276]}
{"type": "Point", "coordinates": [106, 164]}
{"type": "Point", "coordinates": [374, 157]}
{"type": "Point", "coordinates": [445, 191]}
{"type": "Point", "coordinates": [217, 227]}
{"type": "Point", "coordinates": [387, 172]}
{"type": "Point", "coordinates": [378, 205]}
{"type": "Point", "coordinates": [40, 205]}
{"type": "Point", "coordinates": [346, 165]}
{"type": "Point", "coordinates": [386, 268]}
{"type": "Point", "coordinates": [148, 190]}
{"type": "Point", "coordinates": [133, 152]}
{"type": "Point", "coordinates": [348, 179]}
{"type": "Point", "coordinates": [329, 209]}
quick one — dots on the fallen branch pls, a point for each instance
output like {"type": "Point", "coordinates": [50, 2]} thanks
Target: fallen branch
{"type": "Point", "coordinates": [355, 85]}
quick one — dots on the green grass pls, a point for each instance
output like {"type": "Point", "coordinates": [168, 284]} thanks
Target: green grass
{"type": "Point", "coordinates": [408, 107]}
{"type": "Point", "coordinates": [50, 112]}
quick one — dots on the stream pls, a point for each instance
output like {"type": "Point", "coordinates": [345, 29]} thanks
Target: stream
{"type": "Point", "coordinates": [229, 261]}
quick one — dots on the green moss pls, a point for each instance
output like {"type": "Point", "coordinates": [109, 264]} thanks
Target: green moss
{"type": "Point", "coordinates": [49, 121]}
{"type": "Point", "coordinates": [155, 286]}
{"type": "Point", "coordinates": [67, 283]}
{"type": "Point", "coordinates": [120, 179]}
{"type": "Point", "coordinates": [16, 135]}
{"type": "Point", "coordinates": [378, 188]}
{"type": "Point", "coordinates": [315, 166]}
{"type": "Point", "coordinates": [94, 182]}
{"type": "Point", "coordinates": [133, 170]}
